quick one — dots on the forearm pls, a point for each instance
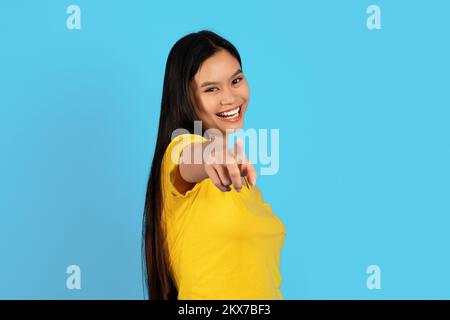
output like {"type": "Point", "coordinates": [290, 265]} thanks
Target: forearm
{"type": "Point", "coordinates": [192, 168]}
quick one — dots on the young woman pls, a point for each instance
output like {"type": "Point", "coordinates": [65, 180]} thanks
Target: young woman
{"type": "Point", "coordinates": [207, 234]}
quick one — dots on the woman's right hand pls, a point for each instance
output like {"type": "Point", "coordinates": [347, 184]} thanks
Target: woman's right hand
{"type": "Point", "coordinates": [226, 167]}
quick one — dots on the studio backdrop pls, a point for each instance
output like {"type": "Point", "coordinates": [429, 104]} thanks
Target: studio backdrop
{"type": "Point", "coordinates": [357, 91]}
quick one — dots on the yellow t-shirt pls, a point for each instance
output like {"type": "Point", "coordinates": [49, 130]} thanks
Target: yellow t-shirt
{"type": "Point", "coordinates": [222, 245]}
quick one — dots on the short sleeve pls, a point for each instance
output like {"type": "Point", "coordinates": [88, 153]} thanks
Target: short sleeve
{"type": "Point", "coordinates": [171, 180]}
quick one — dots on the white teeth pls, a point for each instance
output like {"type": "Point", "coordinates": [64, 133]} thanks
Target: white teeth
{"type": "Point", "coordinates": [230, 113]}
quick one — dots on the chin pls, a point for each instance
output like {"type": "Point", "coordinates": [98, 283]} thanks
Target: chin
{"type": "Point", "coordinates": [234, 126]}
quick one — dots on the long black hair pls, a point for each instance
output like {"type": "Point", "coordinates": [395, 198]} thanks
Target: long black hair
{"type": "Point", "coordinates": [177, 111]}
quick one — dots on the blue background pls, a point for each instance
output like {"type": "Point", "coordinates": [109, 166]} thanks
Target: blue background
{"type": "Point", "coordinates": [363, 118]}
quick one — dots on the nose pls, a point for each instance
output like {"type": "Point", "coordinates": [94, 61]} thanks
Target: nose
{"type": "Point", "coordinates": [228, 97]}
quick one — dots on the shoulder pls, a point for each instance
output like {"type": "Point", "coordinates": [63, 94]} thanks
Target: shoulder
{"type": "Point", "coordinates": [183, 140]}
{"type": "Point", "coordinates": [178, 143]}
{"type": "Point", "coordinates": [171, 180]}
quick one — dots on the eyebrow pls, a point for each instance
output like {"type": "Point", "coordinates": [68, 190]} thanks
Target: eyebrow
{"type": "Point", "coordinates": [208, 83]}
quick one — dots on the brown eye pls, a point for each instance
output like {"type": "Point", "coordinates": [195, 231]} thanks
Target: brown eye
{"type": "Point", "coordinates": [237, 80]}
{"type": "Point", "coordinates": [211, 89]}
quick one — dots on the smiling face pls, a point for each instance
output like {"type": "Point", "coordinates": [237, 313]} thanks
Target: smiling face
{"type": "Point", "coordinates": [220, 92]}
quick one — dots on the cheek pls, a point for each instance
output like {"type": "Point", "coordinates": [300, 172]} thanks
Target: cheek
{"type": "Point", "coordinates": [209, 105]}
{"type": "Point", "coordinates": [245, 92]}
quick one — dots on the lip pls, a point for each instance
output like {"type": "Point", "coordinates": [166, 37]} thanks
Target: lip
{"type": "Point", "coordinates": [239, 117]}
